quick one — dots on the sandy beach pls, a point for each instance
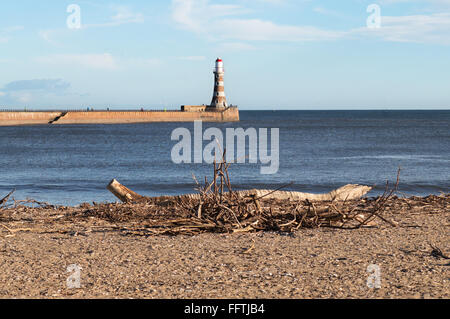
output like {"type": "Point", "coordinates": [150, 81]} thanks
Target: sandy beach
{"type": "Point", "coordinates": [38, 245]}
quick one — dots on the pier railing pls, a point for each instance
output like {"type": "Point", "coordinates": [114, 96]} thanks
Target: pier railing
{"type": "Point", "coordinates": [88, 110]}
{"type": "Point", "coordinates": [104, 110]}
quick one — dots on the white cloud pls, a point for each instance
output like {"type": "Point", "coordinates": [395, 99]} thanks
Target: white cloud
{"type": "Point", "coordinates": [328, 12]}
{"type": "Point", "coordinates": [25, 91]}
{"type": "Point", "coordinates": [95, 61]}
{"type": "Point", "coordinates": [195, 15]}
{"type": "Point", "coordinates": [431, 28]}
{"type": "Point", "coordinates": [192, 58]}
{"type": "Point", "coordinates": [12, 28]}
{"type": "Point", "coordinates": [273, 1]}
{"type": "Point", "coordinates": [50, 85]}
{"type": "Point", "coordinates": [139, 63]}
{"type": "Point", "coordinates": [48, 36]}
{"type": "Point", "coordinates": [221, 24]}
{"type": "Point", "coordinates": [104, 61]}
{"type": "Point", "coordinates": [215, 21]}
{"type": "Point", "coordinates": [5, 33]}
{"type": "Point", "coordinates": [437, 2]}
{"type": "Point", "coordinates": [122, 15]}
{"type": "Point", "coordinates": [262, 30]}
{"type": "Point", "coordinates": [235, 46]}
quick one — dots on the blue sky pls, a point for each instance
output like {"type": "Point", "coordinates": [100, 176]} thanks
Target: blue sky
{"type": "Point", "coordinates": [278, 54]}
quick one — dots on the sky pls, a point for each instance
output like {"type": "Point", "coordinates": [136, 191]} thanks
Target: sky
{"type": "Point", "coordinates": [278, 54]}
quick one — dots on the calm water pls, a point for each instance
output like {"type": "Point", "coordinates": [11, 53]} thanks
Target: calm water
{"type": "Point", "coordinates": [319, 151]}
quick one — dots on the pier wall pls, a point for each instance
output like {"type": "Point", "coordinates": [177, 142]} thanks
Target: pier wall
{"type": "Point", "coordinates": [115, 117]}
{"type": "Point", "coordinates": [27, 118]}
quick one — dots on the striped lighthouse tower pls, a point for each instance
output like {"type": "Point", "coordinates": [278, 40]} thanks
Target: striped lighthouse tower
{"type": "Point", "coordinates": [219, 100]}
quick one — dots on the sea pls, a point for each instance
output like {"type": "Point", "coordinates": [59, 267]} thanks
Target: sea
{"type": "Point", "coordinates": [318, 151]}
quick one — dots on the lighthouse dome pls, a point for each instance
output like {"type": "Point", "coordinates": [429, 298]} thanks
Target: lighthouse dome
{"type": "Point", "coordinates": [219, 65]}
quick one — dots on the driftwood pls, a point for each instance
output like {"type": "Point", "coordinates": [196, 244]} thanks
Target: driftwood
{"type": "Point", "coordinates": [219, 209]}
{"type": "Point", "coordinates": [347, 192]}
{"type": "Point", "coordinates": [123, 193]}
{"type": "Point", "coordinates": [6, 198]}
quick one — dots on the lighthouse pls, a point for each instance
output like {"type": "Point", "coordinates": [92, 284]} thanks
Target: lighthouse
{"type": "Point", "coordinates": [219, 108]}
{"type": "Point", "coordinates": [219, 100]}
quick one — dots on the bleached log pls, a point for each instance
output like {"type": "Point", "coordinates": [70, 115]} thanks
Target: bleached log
{"type": "Point", "coordinates": [123, 193]}
{"type": "Point", "coordinates": [347, 192]}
